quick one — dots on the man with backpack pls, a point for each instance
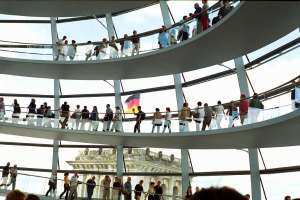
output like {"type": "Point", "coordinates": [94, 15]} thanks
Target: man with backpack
{"type": "Point", "coordinates": [140, 116]}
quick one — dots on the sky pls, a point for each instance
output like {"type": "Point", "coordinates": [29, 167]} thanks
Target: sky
{"type": "Point", "coordinates": [263, 78]}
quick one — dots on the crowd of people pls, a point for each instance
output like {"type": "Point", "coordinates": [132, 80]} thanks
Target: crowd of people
{"type": "Point", "coordinates": [154, 192]}
{"type": "Point", "coordinates": [130, 45]}
{"type": "Point", "coordinates": [112, 120]}
{"type": "Point", "coordinates": [9, 176]}
{"type": "Point", "coordinates": [247, 110]}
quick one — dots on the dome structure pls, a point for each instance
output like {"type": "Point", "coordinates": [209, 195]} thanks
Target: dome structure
{"type": "Point", "coordinates": [218, 95]}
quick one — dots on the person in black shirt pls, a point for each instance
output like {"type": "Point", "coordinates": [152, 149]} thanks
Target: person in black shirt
{"type": "Point", "coordinates": [135, 39]}
{"type": "Point", "coordinates": [31, 112]}
{"type": "Point", "coordinates": [90, 185]}
{"type": "Point", "coordinates": [85, 114]}
{"type": "Point", "coordinates": [65, 109]}
{"type": "Point", "coordinates": [138, 119]}
{"type": "Point", "coordinates": [16, 111]}
{"type": "Point", "coordinates": [138, 190]}
{"type": "Point", "coordinates": [5, 173]}
{"type": "Point", "coordinates": [225, 9]}
{"type": "Point", "coordinates": [158, 191]}
{"type": "Point", "coordinates": [197, 14]}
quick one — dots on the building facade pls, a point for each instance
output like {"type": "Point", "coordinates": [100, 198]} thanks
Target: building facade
{"type": "Point", "coordinates": [136, 160]}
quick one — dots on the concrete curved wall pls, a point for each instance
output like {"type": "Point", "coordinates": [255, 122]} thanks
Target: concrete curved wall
{"type": "Point", "coordinates": [63, 8]}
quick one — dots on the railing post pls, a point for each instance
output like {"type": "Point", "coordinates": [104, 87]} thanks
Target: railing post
{"type": "Point", "coordinates": [185, 179]}
{"type": "Point", "coordinates": [253, 155]}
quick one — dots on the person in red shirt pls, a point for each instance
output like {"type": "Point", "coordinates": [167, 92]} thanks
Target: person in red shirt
{"type": "Point", "coordinates": [244, 106]}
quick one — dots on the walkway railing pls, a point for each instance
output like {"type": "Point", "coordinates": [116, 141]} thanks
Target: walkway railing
{"type": "Point", "coordinates": [44, 51]}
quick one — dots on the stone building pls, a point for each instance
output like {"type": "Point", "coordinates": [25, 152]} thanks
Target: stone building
{"type": "Point", "coordinates": [136, 160]}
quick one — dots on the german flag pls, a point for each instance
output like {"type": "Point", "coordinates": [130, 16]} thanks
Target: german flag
{"type": "Point", "coordinates": [132, 102]}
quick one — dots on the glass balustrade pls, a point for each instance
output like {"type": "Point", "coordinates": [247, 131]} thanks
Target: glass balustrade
{"type": "Point", "coordinates": [220, 121]}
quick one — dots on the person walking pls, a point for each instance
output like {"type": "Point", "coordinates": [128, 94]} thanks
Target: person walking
{"type": "Point", "coordinates": [127, 189]}
{"type": "Point", "coordinates": [125, 46]}
{"type": "Point", "coordinates": [135, 40]}
{"type": "Point", "coordinates": [243, 108]}
{"type": "Point", "coordinates": [151, 191]}
{"type": "Point", "coordinates": [59, 46]}
{"type": "Point", "coordinates": [105, 183]}
{"type": "Point", "coordinates": [117, 121]}
{"type": "Point", "coordinates": [197, 14]}
{"type": "Point", "coordinates": [204, 15]}
{"type": "Point", "coordinates": [140, 116]}
{"type": "Point", "coordinates": [31, 113]}
{"type": "Point", "coordinates": [167, 122]}
{"type": "Point", "coordinates": [13, 177]}
{"type": "Point", "coordinates": [156, 122]}
{"type": "Point", "coordinates": [65, 111]}
{"type": "Point", "coordinates": [158, 191]}
{"type": "Point", "coordinates": [66, 186]}
{"type": "Point", "coordinates": [74, 182]}
{"type": "Point", "coordinates": [208, 113]}
{"type": "Point", "coordinates": [72, 49]}
{"type": "Point", "coordinates": [183, 33]}
{"type": "Point", "coordinates": [163, 38]}
{"type": "Point", "coordinates": [52, 184]}
{"type": "Point", "coordinates": [220, 112]}
{"type": "Point", "coordinates": [109, 114]}
{"type": "Point", "coordinates": [90, 186]}
{"type": "Point", "coordinates": [116, 190]}
{"type": "Point", "coordinates": [85, 115]}
{"type": "Point", "coordinates": [5, 173]}
{"type": "Point", "coordinates": [232, 112]}
{"type": "Point", "coordinates": [76, 118]}
{"type": "Point", "coordinates": [94, 119]}
{"type": "Point", "coordinates": [88, 50]}
{"type": "Point", "coordinates": [16, 112]}
{"type": "Point", "coordinates": [40, 115]}
{"type": "Point", "coordinates": [138, 189]}
{"type": "Point", "coordinates": [198, 115]}
{"type": "Point", "coordinates": [255, 106]}
{"type": "Point", "coordinates": [184, 118]}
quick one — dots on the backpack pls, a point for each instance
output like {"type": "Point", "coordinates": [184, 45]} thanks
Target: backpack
{"type": "Point", "coordinates": [143, 116]}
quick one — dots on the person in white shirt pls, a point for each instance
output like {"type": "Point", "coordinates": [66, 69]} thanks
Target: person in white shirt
{"type": "Point", "coordinates": [64, 53]}
{"type": "Point", "coordinates": [167, 122]}
{"type": "Point", "coordinates": [88, 50]}
{"type": "Point", "coordinates": [75, 118]}
{"type": "Point", "coordinates": [117, 121]}
{"type": "Point", "coordinates": [59, 46]}
{"type": "Point", "coordinates": [73, 186]}
{"type": "Point", "coordinates": [156, 122]}
{"type": "Point", "coordinates": [219, 111]}
{"type": "Point", "coordinates": [199, 115]}
{"type": "Point", "coordinates": [72, 50]}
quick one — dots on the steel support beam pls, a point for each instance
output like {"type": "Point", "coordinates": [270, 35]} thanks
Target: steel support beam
{"type": "Point", "coordinates": [180, 100]}
{"type": "Point", "coordinates": [253, 152]}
